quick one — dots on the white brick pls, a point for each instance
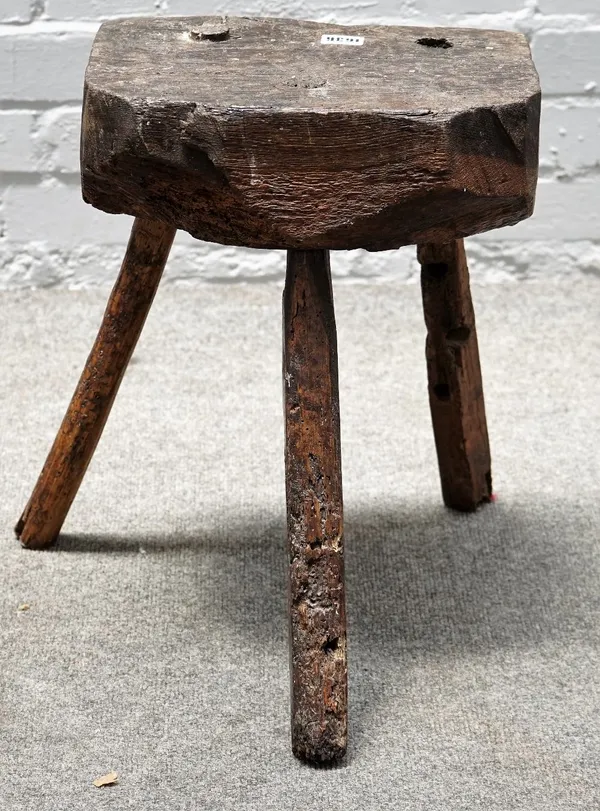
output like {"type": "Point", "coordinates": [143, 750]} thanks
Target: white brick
{"type": "Point", "coordinates": [431, 7]}
{"type": "Point", "coordinates": [573, 7]}
{"type": "Point", "coordinates": [15, 11]}
{"type": "Point", "coordinates": [55, 213]}
{"type": "Point", "coordinates": [303, 9]}
{"type": "Point", "coordinates": [392, 11]}
{"type": "Point", "coordinates": [564, 211]}
{"type": "Point", "coordinates": [570, 137]}
{"type": "Point", "coordinates": [56, 140]}
{"type": "Point", "coordinates": [16, 148]}
{"type": "Point", "coordinates": [43, 66]}
{"type": "Point", "coordinates": [568, 62]}
{"type": "Point", "coordinates": [250, 8]}
{"type": "Point", "coordinates": [105, 9]}
{"type": "Point", "coordinates": [98, 9]}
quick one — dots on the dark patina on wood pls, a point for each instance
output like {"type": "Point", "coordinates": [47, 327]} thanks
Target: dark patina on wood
{"type": "Point", "coordinates": [260, 135]}
{"type": "Point", "coordinates": [455, 387]}
{"type": "Point", "coordinates": [92, 401]}
{"type": "Point", "coordinates": [314, 509]}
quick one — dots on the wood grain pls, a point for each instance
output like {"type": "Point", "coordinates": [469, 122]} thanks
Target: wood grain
{"type": "Point", "coordinates": [455, 387]}
{"type": "Point", "coordinates": [90, 406]}
{"type": "Point", "coordinates": [314, 505]}
{"type": "Point", "coordinates": [270, 139]}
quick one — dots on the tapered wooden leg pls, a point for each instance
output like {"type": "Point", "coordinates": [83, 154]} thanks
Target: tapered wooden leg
{"type": "Point", "coordinates": [88, 411]}
{"type": "Point", "coordinates": [314, 509]}
{"type": "Point", "coordinates": [455, 388]}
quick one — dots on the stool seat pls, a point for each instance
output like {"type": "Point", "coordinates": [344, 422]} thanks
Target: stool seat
{"type": "Point", "coordinates": [273, 133]}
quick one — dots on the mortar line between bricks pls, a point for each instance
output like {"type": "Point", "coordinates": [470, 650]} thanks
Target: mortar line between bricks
{"type": "Point", "coordinates": [49, 27]}
{"type": "Point", "coordinates": [34, 178]}
{"type": "Point", "coordinates": [37, 106]}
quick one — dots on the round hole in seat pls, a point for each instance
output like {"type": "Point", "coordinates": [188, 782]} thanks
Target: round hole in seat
{"type": "Point", "coordinates": [432, 42]}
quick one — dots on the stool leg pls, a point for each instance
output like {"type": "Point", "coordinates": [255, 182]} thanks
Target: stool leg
{"type": "Point", "coordinates": [90, 406]}
{"type": "Point", "coordinates": [314, 511]}
{"type": "Point", "coordinates": [455, 388]}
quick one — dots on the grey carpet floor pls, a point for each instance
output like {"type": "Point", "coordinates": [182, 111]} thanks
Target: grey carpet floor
{"type": "Point", "coordinates": [156, 641]}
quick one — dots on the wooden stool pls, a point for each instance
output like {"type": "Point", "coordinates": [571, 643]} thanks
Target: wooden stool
{"type": "Point", "coordinates": [294, 135]}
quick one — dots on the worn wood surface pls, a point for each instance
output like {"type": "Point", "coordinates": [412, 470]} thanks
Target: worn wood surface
{"type": "Point", "coordinates": [264, 137]}
{"type": "Point", "coordinates": [455, 387]}
{"type": "Point", "coordinates": [90, 406]}
{"type": "Point", "coordinates": [314, 505]}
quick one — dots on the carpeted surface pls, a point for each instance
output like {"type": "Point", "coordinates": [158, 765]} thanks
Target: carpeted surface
{"type": "Point", "coordinates": [156, 640]}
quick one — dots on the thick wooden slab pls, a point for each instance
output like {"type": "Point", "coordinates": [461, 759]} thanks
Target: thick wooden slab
{"type": "Point", "coordinates": [260, 135]}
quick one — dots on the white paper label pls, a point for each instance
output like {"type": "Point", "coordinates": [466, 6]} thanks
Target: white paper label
{"type": "Point", "coordinates": [341, 39]}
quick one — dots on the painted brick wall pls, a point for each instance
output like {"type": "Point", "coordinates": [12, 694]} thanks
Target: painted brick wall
{"type": "Point", "coordinates": [48, 236]}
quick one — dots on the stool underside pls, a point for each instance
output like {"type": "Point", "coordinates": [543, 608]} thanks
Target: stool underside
{"type": "Point", "coordinates": [269, 138]}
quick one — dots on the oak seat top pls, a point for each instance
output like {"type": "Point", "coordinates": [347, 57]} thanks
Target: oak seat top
{"type": "Point", "coordinates": [273, 133]}
{"type": "Point", "coordinates": [282, 64]}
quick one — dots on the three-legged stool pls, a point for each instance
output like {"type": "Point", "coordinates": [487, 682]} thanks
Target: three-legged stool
{"type": "Point", "coordinates": [295, 135]}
